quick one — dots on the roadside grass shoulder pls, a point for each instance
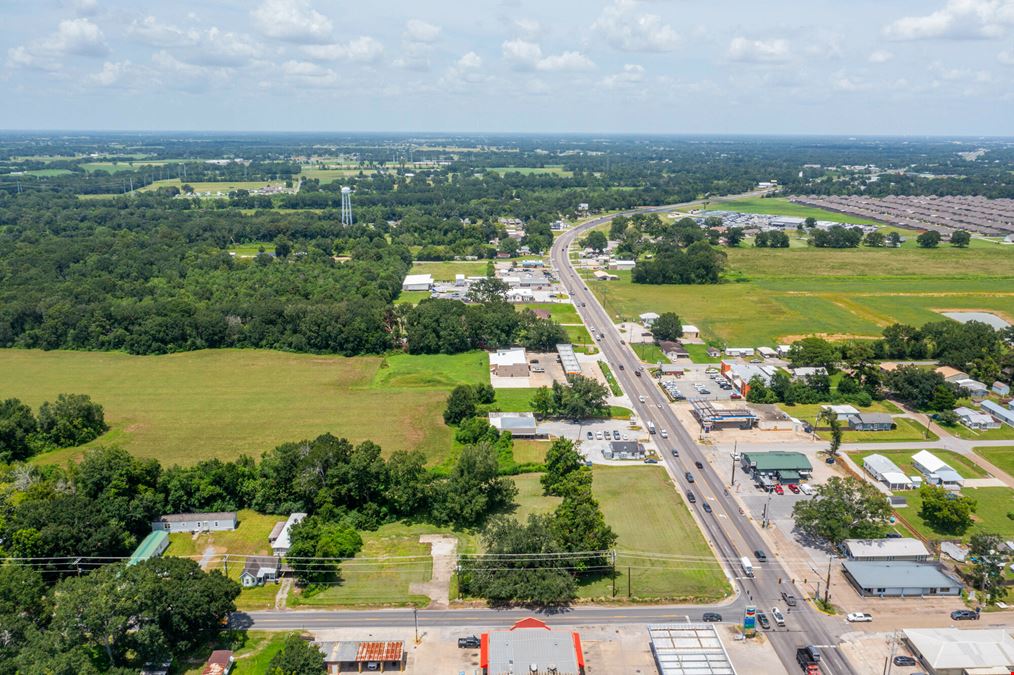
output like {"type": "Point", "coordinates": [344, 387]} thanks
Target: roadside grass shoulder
{"type": "Point", "coordinates": [649, 352]}
{"type": "Point", "coordinates": [1000, 457]}
{"type": "Point", "coordinates": [1004, 433]}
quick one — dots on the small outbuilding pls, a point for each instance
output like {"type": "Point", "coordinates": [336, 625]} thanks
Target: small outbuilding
{"type": "Point", "coordinates": [220, 662]}
{"type": "Point", "coordinates": [152, 546]}
{"type": "Point", "coordinates": [1000, 388]}
{"type": "Point", "coordinates": [691, 332]}
{"type": "Point", "coordinates": [648, 319]}
{"type": "Point", "coordinates": [899, 579]}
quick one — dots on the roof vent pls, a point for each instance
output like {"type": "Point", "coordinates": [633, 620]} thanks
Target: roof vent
{"type": "Point", "coordinates": [534, 668]}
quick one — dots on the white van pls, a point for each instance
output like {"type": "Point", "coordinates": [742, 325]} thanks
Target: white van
{"type": "Point", "coordinates": [651, 427]}
{"type": "Point", "coordinates": [747, 566]}
{"type": "Point", "coordinates": [805, 489]}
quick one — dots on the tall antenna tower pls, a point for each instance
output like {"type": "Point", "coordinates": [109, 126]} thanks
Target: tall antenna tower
{"type": "Point", "coordinates": [346, 205]}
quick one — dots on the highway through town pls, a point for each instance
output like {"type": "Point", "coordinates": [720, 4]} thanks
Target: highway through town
{"type": "Point", "coordinates": [732, 534]}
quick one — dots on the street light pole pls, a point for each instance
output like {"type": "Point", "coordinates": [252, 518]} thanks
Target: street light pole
{"type": "Point", "coordinates": [735, 452]}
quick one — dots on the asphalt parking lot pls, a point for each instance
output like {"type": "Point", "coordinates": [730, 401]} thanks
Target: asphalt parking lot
{"type": "Point", "coordinates": [697, 375]}
{"type": "Point", "coordinates": [592, 448]}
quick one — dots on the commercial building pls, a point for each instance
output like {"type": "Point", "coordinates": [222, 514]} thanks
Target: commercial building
{"type": "Point", "coordinates": [417, 282]}
{"type": "Point", "coordinates": [604, 276]}
{"type": "Point", "coordinates": [740, 374]}
{"type": "Point", "coordinates": [899, 579]}
{"type": "Point", "coordinates": [973, 419]}
{"type": "Point", "coordinates": [739, 351]}
{"type": "Point", "coordinates": [689, 649]}
{"type": "Point", "coordinates": [151, 546]}
{"type": "Point", "coordinates": [259, 569]}
{"type": "Point", "coordinates": [568, 359]}
{"type": "Point", "coordinates": [509, 362]}
{"type": "Point", "coordinates": [950, 651]}
{"type": "Point", "coordinates": [936, 470]}
{"type": "Point", "coordinates": [1005, 415]}
{"type": "Point", "coordinates": [867, 421]}
{"type": "Point", "coordinates": [521, 425]}
{"type": "Point", "coordinates": [887, 472]}
{"type": "Point", "coordinates": [624, 450]}
{"type": "Point", "coordinates": [196, 522]}
{"type": "Point", "coordinates": [712, 418]}
{"type": "Point", "coordinates": [352, 656]}
{"type": "Point", "coordinates": [904, 548]}
{"type": "Point", "coordinates": [776, 466]}
{"type": "Point", "coordinates": [841, 412]}
{"type": "Point", "coordinates": [283, 540]}
{"type": "Point", "coordinates": [531, 647]}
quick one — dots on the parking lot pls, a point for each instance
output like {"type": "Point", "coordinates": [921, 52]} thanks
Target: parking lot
{"type": "Point", "coordinates": [603, 432]}
{"type": "Point", "coordinates": [697, 382]}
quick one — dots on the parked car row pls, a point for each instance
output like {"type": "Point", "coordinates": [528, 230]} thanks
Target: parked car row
{"type": "Point", "coordinates": [607, 435]}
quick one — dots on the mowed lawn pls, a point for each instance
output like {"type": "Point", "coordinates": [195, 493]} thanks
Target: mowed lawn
{"type": "Point", "coordinates": [446, 270]}
{"type": "Point", "coordinates": [776, 296]}
{"type": "Point", "coordinates": [1000, 457]}
{"type": "Point", "coordinates": [673, 561]}
{"type": "Point", "coordinates": [992, 506]}
{"type": "Point", "coordinates": [182, 408]}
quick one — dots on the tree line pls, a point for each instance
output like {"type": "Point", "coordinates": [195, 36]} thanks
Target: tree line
{"type": "Point", "coordinates": [73, 419]}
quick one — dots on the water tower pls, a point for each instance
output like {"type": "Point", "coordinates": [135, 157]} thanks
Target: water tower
{"type": "Point", "coordinates": [346, 205]}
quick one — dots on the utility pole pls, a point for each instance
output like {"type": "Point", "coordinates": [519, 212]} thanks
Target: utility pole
{"type": "Point", "coordinates": [628, 581]}
{"type": "Point", "coordinates": [890, 659]}
{"type": "Point", "coordinates": [827, 584]}
{"type": "Point", "coordinates": [735, 453]}
{"type": "Point", "coordinates": [415, 618]}
{"type": "Point", "coordinates": [614, 573]}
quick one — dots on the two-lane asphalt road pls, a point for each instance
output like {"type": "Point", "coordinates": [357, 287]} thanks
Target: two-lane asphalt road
{"type": "Point", "coordinates": [732, 535]}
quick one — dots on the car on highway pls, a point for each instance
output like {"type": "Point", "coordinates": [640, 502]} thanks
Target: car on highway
{"type": "Point", "coordinates": [591, 435]}
{"type": "Point", "coordinates": [704, 390]}
{"type": "Point", "coordinates": [902, 660]}
{"type": "Point", "coordinates": [777, 615]}
{"type": "Point", "coordinates": [760, 555]}
{"type": "Point", "coordinates": [762, 619]}
{"type": "Point", "coordinates": [690, 477]}
{"type": "Point", "coordinates": [659, 405]}
{"type": "Point", "coordinates": [789, 598]}
{"type": "Point", "coordinates": [707, 507]}
{"type": "Point", "coordinates": [621, 366]}
{"type": "Point", "coordinates": [793, 488]}
{"type": "Point", "coordinates": [663, 433]}
{"type": "Point", "coordinates": [675, 452]}
{"type": "Point", "coordinates": [637, 372]}
{"type": "Point", "coordinates": [859, 617]}
{"type": "Point", "coordinates": [470, 642]}
{"type": "Point", "coordinates": [711, 617]}
{"type": "Point", "coordinates": [699, 465]}
{"type": "Point", "coordinates": [778, 490]}
{"type": "Point", "coordinates": [691, 497]}
{"type": "Point", "coordinates": [964, 615]}
{"type": "Point", "coordinates": [641, 399]}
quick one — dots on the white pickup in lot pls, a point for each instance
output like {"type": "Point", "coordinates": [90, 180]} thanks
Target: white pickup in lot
{"type": "Point", "coordinates": [859, 617]}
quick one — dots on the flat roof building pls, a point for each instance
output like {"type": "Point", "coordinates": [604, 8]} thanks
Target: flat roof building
{"type": "Point", "coordinates": [711, 417]}
{"type": "Point", "coordinates": [509, 362]}
{"type": "Point", "coordinates": [899, 579]}
{"type": "Point", "coordinates": [354, 655]}
{"type": "Point", "coordinates": [519, 424]}
{"type": "Point", "coordinates": [689, 649]}
{"type": "Point", "coordinates": [905, 548]}
{"type": "Point", "coordinates": [417, 282]}
{"type": "Point", "coordinates": [530, 646]}
{"type": "Point", "coordinates": [950, 651]}
{"type": "Point", "coordinates": [780, 466]}
{"type": "Point", "coordinates": [568, 359]}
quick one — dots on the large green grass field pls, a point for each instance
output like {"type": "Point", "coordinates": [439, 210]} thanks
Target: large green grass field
{"type": "Point", "coordinates": [554, 170]}
{"type": "Point", "coordinates": [445, 270]}
{"type": "Point", "coordinates": [993, 505]}
{"type": "Point", "coordinates": [776, 296]}
{"type": "Point", "coordinates": [182, 408]}
{"type": "Point", "coordinates": [224, 187]}
{"type": "Point", "coordinates": [780, 206]}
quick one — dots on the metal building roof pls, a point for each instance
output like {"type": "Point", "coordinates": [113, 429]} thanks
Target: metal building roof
{"type": "Point", "coordinates": [778, 460]}
{"type": "Point", "coordinates": [571, 366]}
{"type": "Point", "coordinates": [518, 649]}
{"type": "Point", "coordinates": [898, 574]}
{"type": "Point", "coordinates": [689, 649]}
{"type": "Point", "coordinates": [885, 548]}
{"type": "Point", "coordinates": [954, 649]}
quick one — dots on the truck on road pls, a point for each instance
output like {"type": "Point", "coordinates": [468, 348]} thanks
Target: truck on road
{"type": "Point", "coordinates": [747, 566]}
{"type": "Point", "coordinates": [808, 659]}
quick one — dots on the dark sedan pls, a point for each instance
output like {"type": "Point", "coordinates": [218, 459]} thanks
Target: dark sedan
{"type": "Point", "coordinates": [711, 617]}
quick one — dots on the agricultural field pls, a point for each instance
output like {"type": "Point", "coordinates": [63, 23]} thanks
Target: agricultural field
{"type": "Point", "coordinates": [182, 408]}
{"type": "Point", "coordinates": [445, 270]}
{"type": "Point", "coordinates": [330, 175]}
{"type": "Point", "coordinates": [251, 250]}
{"type": "Point", "coordinates": [224, 186]}
{"type": "Point", "coordinates": [1000, 457]}
{"type": "Point", "coordinates": [48, 173]}
{"type": "Point", "coordinates": [903, 458]}
{"type": "Point", "coordinates": [776, 296]}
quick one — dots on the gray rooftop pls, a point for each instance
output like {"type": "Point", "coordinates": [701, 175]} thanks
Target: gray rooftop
{"type": "Point", "coordinates": [864, 548]}
{"type": "Point", "coordinates": [875, 418]}
{"type": "Point", "coordinates": [568, 359]}
{"type": "Point", "coordinates": [186, 517]}
{"type": "Point", "coordinates": [689, 649]}
{"type": "Point", "coordinates": [898, 574]}
{"type": "Point", "coordinates": [513, 651]}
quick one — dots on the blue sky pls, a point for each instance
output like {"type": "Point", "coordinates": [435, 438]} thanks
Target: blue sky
{"type": "Point", "coordinates": [635, 66]}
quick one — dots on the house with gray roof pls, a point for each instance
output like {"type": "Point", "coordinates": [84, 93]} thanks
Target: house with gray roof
{"type": "Point", "coordinates": [900, 579]}
{"type": "Point", "coordinates": [870, 421]}
{"type": "Point", "coordinates": [196, 522]}
{"type": "Point", "coordinates": [519, 424]}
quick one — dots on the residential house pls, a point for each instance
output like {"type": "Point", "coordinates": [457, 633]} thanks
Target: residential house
{"type": "Point", "coordinates": [951, 374]}
{"type": "Point", "coordinates": [673, 350]}
{"type": "Point", "coordinates": [937, 471]}
{"type": "Point", "coordinates": [887, 472]}
{"type": "Point", "coordinates": [739, 351]}
{"type": "Point", "coordinates": [1000, 388]}
{"type": "Point", "coordinates": [1005, 415]}
{"type": "Point", "coordinates": [867, 421]}
{"type": "Point", "coordinates": [714, 352]}
{"type": "Point", "coordinates": [624, 450]}
{"type": "Point", "coordinates": [806, 371]}
{"type": "Point", "coordinates": [973, 419]}
{"type": "Point", "coordinates": [841, 412]}
{"type": "Point", "coordinates": [767, 352]}
{"type": "Point", "coordinates": [259, 569]}
{"type": "Point", "coordinates": [196, 522]}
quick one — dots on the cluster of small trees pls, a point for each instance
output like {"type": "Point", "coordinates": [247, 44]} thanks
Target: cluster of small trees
{"type": "Point", "coordinates": [837, 236]}
{"type": "Point", "coordinates": [71, 420]}
{"type": "Point", "coordinates": [443, 326]}
{"type": "Point", "coordinates": [973, 347]}
{"type": "Point", "coordinates": [771, 239]}
{"type": "Point", "coordinates": [541, 559]}
{"type": "Point", "coordinates": [114, 619]}
{"type": "Point", "coordinates": [699, 263]}
{"type": "Point", "coordinates": [843, 508]}
{"type": "Point", "coordinates": [580, 398]}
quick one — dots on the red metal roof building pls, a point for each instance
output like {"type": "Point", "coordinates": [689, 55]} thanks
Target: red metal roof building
{"type": "Point", "coordinates": [219, 663]}
{"type": "Point", "coordinates": [356, 655]}
{"type": "Point", "coordinates": [530, 646]}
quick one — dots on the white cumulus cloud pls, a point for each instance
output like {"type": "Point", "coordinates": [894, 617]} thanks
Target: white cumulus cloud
{"type": "Point", "coordinates": [417, 30]}
{"type": "Point", "coordinates": [627, 30]}
{"type": "Point", "coordinates": [524, 55]}
{"type": "Point", "coordinates": [293, 21]}
{"type": "Point", "coordinates": [880, 56]}
{"type": "Point", "coordinates": [632, 73]}
{"type": "Point", "coordinates": [957, 19]}
{"type": "Point", "coordinates": [775, 50]}
{"type": "Point", "coordinates": [363, 49]}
